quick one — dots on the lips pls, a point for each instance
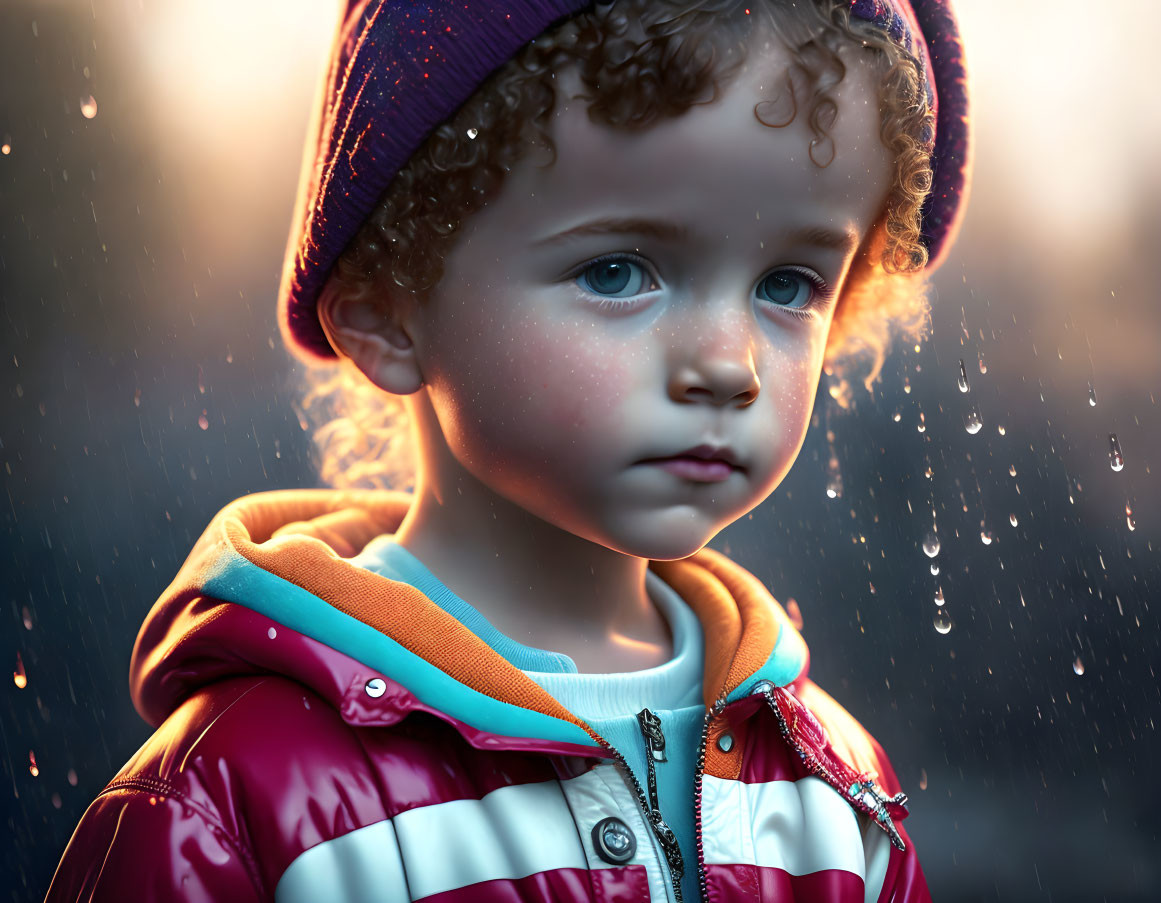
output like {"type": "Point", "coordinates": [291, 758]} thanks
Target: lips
{"type": "Point", "coordinates": [719, 454]}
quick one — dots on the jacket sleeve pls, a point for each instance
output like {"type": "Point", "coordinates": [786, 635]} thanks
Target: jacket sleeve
{"type": "Point", "coordinates": [137, 843]}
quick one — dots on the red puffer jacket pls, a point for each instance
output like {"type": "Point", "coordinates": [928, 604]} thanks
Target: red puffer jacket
{"type": "Point", "coordinates": [326, 734]}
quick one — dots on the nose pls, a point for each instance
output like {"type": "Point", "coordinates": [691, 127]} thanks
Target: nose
{"type": "Point", "coordinates": [713, 364]}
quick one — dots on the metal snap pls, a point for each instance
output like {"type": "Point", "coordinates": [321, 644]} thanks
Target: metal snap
{"type": "Point", "coordinates": [613, 840]}
{"type": "Point", "coordinates": [376, 687]}
{"type": "Point", "coordinates": [726, 742]}
{"type": "Point", "coordinates": [761, 688]}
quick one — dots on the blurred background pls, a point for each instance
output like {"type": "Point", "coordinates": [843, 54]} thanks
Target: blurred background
{"type": "Point", "coordinates": [149, 152]}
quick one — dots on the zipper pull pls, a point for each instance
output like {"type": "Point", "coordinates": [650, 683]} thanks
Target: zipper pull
{"type": "Point", "coordinates": [654, 738]}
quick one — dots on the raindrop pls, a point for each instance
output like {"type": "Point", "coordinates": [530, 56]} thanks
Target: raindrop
{"type": "Point", "coordinates": [986, 537]}
{"type": "Point", "coordinates": [942, 623]}
{"type": "Point", "coordinates": [472, 133]}
{"type": "Point", "coordinates": [72, 777]}
{"type": "Point", "coordinates": [1130, 521]}
{"type": "Point", "coordinates": [1116, 459]}
{"type": "Point", "coordinates": [922, 422]}
{"type": "Point", "coordinates": [5, 148]}
{"type": "Point", "coordinates": [983, 365]}
{"type": "Point", "coordinates": [89, 107]}
{"type": "Point", "coordinates": [26, 618]}
{"type": "Point", "coordinates": [32, 768]}
{"type": "Point", "coordinates": [906, 386]}
{"type": "Point", "coordinates": [922, 778]}
{"type": "Point", "coordinates": [1078, 667]}
{"type": "Point", "coordinates": [1000, 429]}
{"type": "Point", "coordinates": [272, 633]}
{"type": "Point", "coordinates": [974, 423]}
{"type": "Point", "coordinates": [1012, 471]}
{"type": "Point", "coordinates": [832, 492]}
{"type": "Point", "coordinates": [939, 596]}
{"type": "Point", "coordinates": [1091, 396]}
{"type": "Point", "coordinates": [934, 569]}
{"type": "Point", "coordinates": [19, 677]}
{"type": "Point", "coordinates": [931, 545]}
{"type": "Point", "coordinates": [896, 416]}
{"type": "Point", "coordinates": [1012, 519]}
{"type": "Point", "coordinates": [929, 473]}
{"type": "Point", "coordinates": [204, 420]}
{"type": "Point", "coordinates": [962, 382]}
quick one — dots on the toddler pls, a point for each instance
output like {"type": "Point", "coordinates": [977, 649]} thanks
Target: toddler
{"type": "Point", "coordinates": [597, 255]}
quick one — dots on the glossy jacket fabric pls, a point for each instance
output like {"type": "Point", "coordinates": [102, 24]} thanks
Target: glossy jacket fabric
{"type": "Point", "coordinates": [324, 733]}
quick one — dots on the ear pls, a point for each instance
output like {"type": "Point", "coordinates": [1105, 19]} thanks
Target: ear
{"type": "Point", "coordinates": [368, 330]}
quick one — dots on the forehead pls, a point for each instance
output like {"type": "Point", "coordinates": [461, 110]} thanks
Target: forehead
{"type": "Point", "coordinates": [717, 161]}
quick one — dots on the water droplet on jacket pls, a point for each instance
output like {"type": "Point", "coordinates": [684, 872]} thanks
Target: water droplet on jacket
{"type": "Point", "coordinates": [1116, 459]}
{"type": "Point", "coordinates": [204, 420]}
{"type": "Point", "coordinates": [939, 595]}
{"type": "Point", "coordinates": [931, 545]}
{"type": "Point", "coordinates": [19, 677]}
{"type": "Point", "coordinates": [272, 633]}
{"type": "Point", "coordinates": [472, 133]}
{"type": "Point", "coordinates": [934, 569]}
{"type": "Point", "coordinates": [1012, 519]}
{"type": "Point", "coordinates": [89, 107]}
{"type": "Point", "coordinates": [974, 422]}
{"type": "Point", "coordinates": [1091, 396]}
{"type": "Point", "coordinates": [962, 382]}
{"type": "Point", "coordinates": [1078, 667]}
{"type": "Point", "coordinates": [942, 623]}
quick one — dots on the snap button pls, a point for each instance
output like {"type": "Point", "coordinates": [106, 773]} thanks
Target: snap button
{"type": "Point", "coordinates": [614, 841]}
{"type": "Point", "coordinates": [376, 687]}
{"type": "Point", "coordinates": [726, 742]}
{"type": "Point", "coordinates": [761, 688]}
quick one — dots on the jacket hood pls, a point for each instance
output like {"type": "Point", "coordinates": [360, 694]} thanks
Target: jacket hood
{"type": "Point", "coordinates": [269, 589]}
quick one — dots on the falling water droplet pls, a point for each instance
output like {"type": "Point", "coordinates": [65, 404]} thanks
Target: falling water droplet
{"type": "Point", "coordinates": [1091, 396]}
{"type": "Point", "coordinates": [939, 596]}
{"type": "Point", "coordinates": [472, 133]}
{"type": "Point", "coordinates": [32, 768]}
{"type": "Point", "coordinates": [72, 777]}
{"type": "Point", "coordinates": [934, 569]}
{"type": "Point", "coordinates": [906, 386]}
{"type": "Point", "coordinates": [929, 473]}
{"type": "Point", "coordinates": [1116, 459]}
{"type": "Point", "coordinates": [942, 622]}
{"type": "Point", "coordinates": [1012, 471]}
{"type": "Point", "coordinates": [922, 427]}
{"type": "Point", "coordinates": [931, 545]}
{"type": "Point", "coordinates": [1078, 667]}
{"type": "Point", "coordinates": [974, 422]}
{"type": "Point", "coordinates": [1012, 519]}
{"type": "Point", "coordinates": [962, 382]}
{"type": "Point", "coordinates": [204, 420]}
{"type": "Point", "coordinates": [983, 364]}
{"type": "Point", "coordinates": [1130, 521]}
{"type": "Point", "coordinates": [19, 677]}
{"type": "Point", "coordinates": [896, 416]}
{"type": "Point", "coordinates": [986, 537]}
{"type": "Point", "coordinates": [5, 148]}
{"type": "Point", "coordinates": [1000, 429]}
{"type": "Point", "coordinates": [89, 107]}
{"type": "Point", "coordinates": [26, 618]}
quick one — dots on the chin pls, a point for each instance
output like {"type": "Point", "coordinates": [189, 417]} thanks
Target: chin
{"type": "Point", "coordinates": [666, 545]}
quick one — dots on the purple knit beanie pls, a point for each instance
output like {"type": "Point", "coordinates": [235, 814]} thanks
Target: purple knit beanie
{"type": "Point", "coordinates": [399, 68]}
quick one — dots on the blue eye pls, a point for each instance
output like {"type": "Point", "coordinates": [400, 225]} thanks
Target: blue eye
{"type": "Point", "coordinates": [789, 288]}
{"type": "Point", "coordinates": [615, 277]}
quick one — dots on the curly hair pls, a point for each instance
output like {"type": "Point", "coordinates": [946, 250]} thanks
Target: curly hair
{"type": "Point", "coordinates": [639, 61]}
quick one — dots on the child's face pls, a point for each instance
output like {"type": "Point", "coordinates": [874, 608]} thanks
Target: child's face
{"type": "Point", "coordinates": [552, 379]}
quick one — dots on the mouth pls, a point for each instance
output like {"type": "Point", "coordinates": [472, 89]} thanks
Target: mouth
{"type": "Point", "coordinates": [703, 463]}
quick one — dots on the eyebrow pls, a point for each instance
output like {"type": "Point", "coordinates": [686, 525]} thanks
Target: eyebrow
{"type": "Point", "coordinates": [844, 241]}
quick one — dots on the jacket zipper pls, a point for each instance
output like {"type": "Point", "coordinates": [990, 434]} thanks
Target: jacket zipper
{"type": "Point", "coordinates": [652, 817]}
{"type": "Point", "coordinates": [710, 714]}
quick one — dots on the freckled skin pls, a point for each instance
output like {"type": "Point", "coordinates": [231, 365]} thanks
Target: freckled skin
{"type": "Point", "coordinates": [537, 404]}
